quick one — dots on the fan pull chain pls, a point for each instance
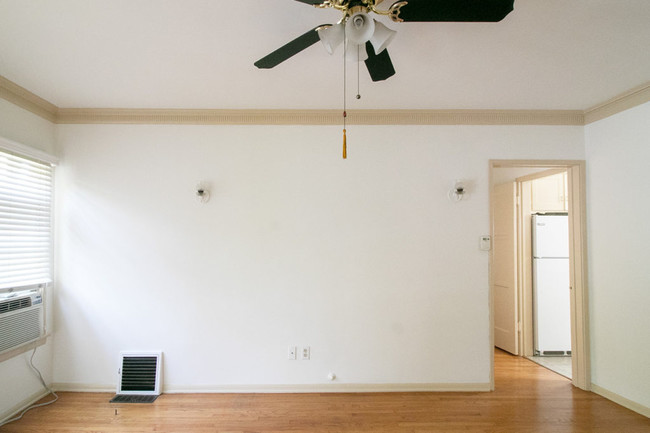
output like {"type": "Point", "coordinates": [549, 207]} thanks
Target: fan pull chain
{"type": "Point", "coordinates": [345, 114]}
{"type": "Point", "coordinates": [358, 71]}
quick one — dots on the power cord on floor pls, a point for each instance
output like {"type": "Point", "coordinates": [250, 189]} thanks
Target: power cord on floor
{"type": "Point", "coordinates": [34, 406]}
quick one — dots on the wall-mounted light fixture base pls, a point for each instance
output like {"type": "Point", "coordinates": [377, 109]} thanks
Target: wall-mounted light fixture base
{"type": "Point", "coordinates": [202, 193]}
{"type": "Point", "coordinates": [458, 191]}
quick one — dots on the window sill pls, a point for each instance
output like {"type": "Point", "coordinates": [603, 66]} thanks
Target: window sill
{"type": "Point", "coordinates": [23, 348]}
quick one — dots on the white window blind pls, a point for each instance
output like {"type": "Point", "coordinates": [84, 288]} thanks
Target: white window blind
{"type": "Point", "coordinates": [25, 221]}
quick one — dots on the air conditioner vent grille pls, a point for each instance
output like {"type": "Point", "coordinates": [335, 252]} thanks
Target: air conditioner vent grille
{"type": "Point", "coordinates": [19, 328]}
{"type": "Point", "coordinates": [139, 374]}
{"type": "Point", "coordinates": [15, 304]}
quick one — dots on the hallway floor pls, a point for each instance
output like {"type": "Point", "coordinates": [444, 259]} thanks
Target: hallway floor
{"type": "Point", "coordinates": [559, 364]}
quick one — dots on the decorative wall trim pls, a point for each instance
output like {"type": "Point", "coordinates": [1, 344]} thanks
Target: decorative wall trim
{"type": "Point", "coordinates": [630, 99]}
{"type": "Point", "coordinates": [465, 117]}
{"type": "Point", "coordinates": [197, 117]}
{"type": "Point", "coordinates": [629, 404]}
{"type": "Point", "coordinates": [39, 106]}
{"type": "Point", "coordinates": [292, 389]}
{"type": "Point", "coordinates": [318, 117]}
{"type": "Point", "coordinates": [333, 388]}
{"type": "Point", "coordinates": [23, 98]}
{"type": "Point", "coordinates": [84, 387]}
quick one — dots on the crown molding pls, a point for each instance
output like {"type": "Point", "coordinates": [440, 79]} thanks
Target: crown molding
{"type": "Point", "coordinates": [318, 117]}
{"type": "Point", "coordinates": [197, 116]}
{"type": "Point", "coordinates": [630, 99]}
{"type": "Point", "coordinates": [39, 106]}
{"type": "Point", "coordinates": [23, 98]}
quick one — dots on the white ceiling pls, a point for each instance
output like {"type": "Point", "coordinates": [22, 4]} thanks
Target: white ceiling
{"type": "Point", "coordinates": [547, 54]}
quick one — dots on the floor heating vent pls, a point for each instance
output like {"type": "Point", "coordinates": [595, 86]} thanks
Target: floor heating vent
{"type": "Point", "coordinates": [139, 377]}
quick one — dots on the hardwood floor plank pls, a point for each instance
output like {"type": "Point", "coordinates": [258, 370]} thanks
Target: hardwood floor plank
{"type": "Point", "coordinates": [528, 399]}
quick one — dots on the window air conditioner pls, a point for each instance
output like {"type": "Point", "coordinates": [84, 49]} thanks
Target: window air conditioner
{"type": "Point", "coordinates": [21, 318]}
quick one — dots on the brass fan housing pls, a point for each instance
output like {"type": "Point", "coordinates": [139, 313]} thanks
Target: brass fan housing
{"type": "Point", "coordinates": [350, 7]}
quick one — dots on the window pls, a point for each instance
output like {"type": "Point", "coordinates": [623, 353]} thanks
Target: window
{"type": "Point", "coordinates": [25, 220]}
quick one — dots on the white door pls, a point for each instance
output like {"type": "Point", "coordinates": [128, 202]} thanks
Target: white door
{"type": "Point", "coordinates": [504, 268]}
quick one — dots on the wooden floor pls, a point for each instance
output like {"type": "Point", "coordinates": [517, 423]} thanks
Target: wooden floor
{"type": "Point", "coordinates": [528, 398]}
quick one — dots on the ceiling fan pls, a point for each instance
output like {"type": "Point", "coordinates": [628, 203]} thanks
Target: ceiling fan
{"type": "Point", "coordinates": [357, 29]}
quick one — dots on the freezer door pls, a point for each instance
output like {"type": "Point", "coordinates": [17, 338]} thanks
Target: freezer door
{"type": "Point", "coordinates": [550, 236]}
{"type": "Point", "coordinates": [552, 305]}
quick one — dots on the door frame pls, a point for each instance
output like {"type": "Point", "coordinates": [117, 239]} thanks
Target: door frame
{"type": "Point", "coordinates": [525, 257]}
{"type": "Point", "coordinates": [576, 179]}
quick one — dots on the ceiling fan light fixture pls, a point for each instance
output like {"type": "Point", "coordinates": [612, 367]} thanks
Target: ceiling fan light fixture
{"type": "Point", "coordinates": [359, 28]}
{"type": "Point", "coordinates": [382, 37]}
{"type": "Point", "coordinates": [355, 53]}
{"type": "Point", "coordinates": [332, 36]}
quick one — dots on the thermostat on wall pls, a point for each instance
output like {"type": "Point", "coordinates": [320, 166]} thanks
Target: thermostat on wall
{"type": "Point", "coordinates": [485, 243]}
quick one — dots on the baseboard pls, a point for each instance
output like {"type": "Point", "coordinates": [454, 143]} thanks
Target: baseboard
{"type": "Point", "coordinates": [82, 387]}
{"type": "Point", "coordinates": [17, 408]}
{"type": "Point", "coordinates": [292, 389]}
{"type": "Point", "coordinates": [629, 404]}
{"type": "Point", "coordinates": [331, 388]}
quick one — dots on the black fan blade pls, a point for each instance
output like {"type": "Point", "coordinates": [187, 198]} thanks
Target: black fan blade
{"type": "Point", "coordinates": [379, 65]}
{"type": "Point", "coordinates": [455, 10]}
{"type": "Point", "coordinates": [289, 50]}
{"type": "Point", "coordinates": [311, 2]}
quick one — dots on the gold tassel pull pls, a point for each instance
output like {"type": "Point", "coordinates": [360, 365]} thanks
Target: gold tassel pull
{"type": "Point", "coordinates": [345, 146]}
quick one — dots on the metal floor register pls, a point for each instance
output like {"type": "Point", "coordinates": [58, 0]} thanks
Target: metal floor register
{"type": "Point", "coordinates": [128, 398]}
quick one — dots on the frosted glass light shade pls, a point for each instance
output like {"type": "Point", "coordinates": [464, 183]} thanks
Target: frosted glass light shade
{"type": "Point", "coordinates": [332, 37]}
{"type": "Point", "coordinates": [359, 28]}
{"type": "Point", "coordinates": [355, 53]}
{"type": "Point", "coordinates": [382, 37]}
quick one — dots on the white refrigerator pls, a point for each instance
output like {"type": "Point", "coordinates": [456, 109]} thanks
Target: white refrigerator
{"type": "Point", "coordinates": [551, 287]}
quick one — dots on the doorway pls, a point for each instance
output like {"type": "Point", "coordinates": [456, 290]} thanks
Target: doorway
{"type": "Point", "coordinates": [511, 262]}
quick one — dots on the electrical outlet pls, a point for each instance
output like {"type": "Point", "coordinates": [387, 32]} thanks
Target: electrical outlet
{"type": "Point", "coordinates": [306, 353]}
{"type": "Point", "coordinates": [292, 353]}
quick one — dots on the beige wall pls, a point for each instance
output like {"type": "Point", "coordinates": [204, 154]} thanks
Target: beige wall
{"type": "Point", "coordinates": [618, 151]}
{"type": "Point", "coordinates": [366, 260]}
{"type": "Point", "coordinates": [26, 128]}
